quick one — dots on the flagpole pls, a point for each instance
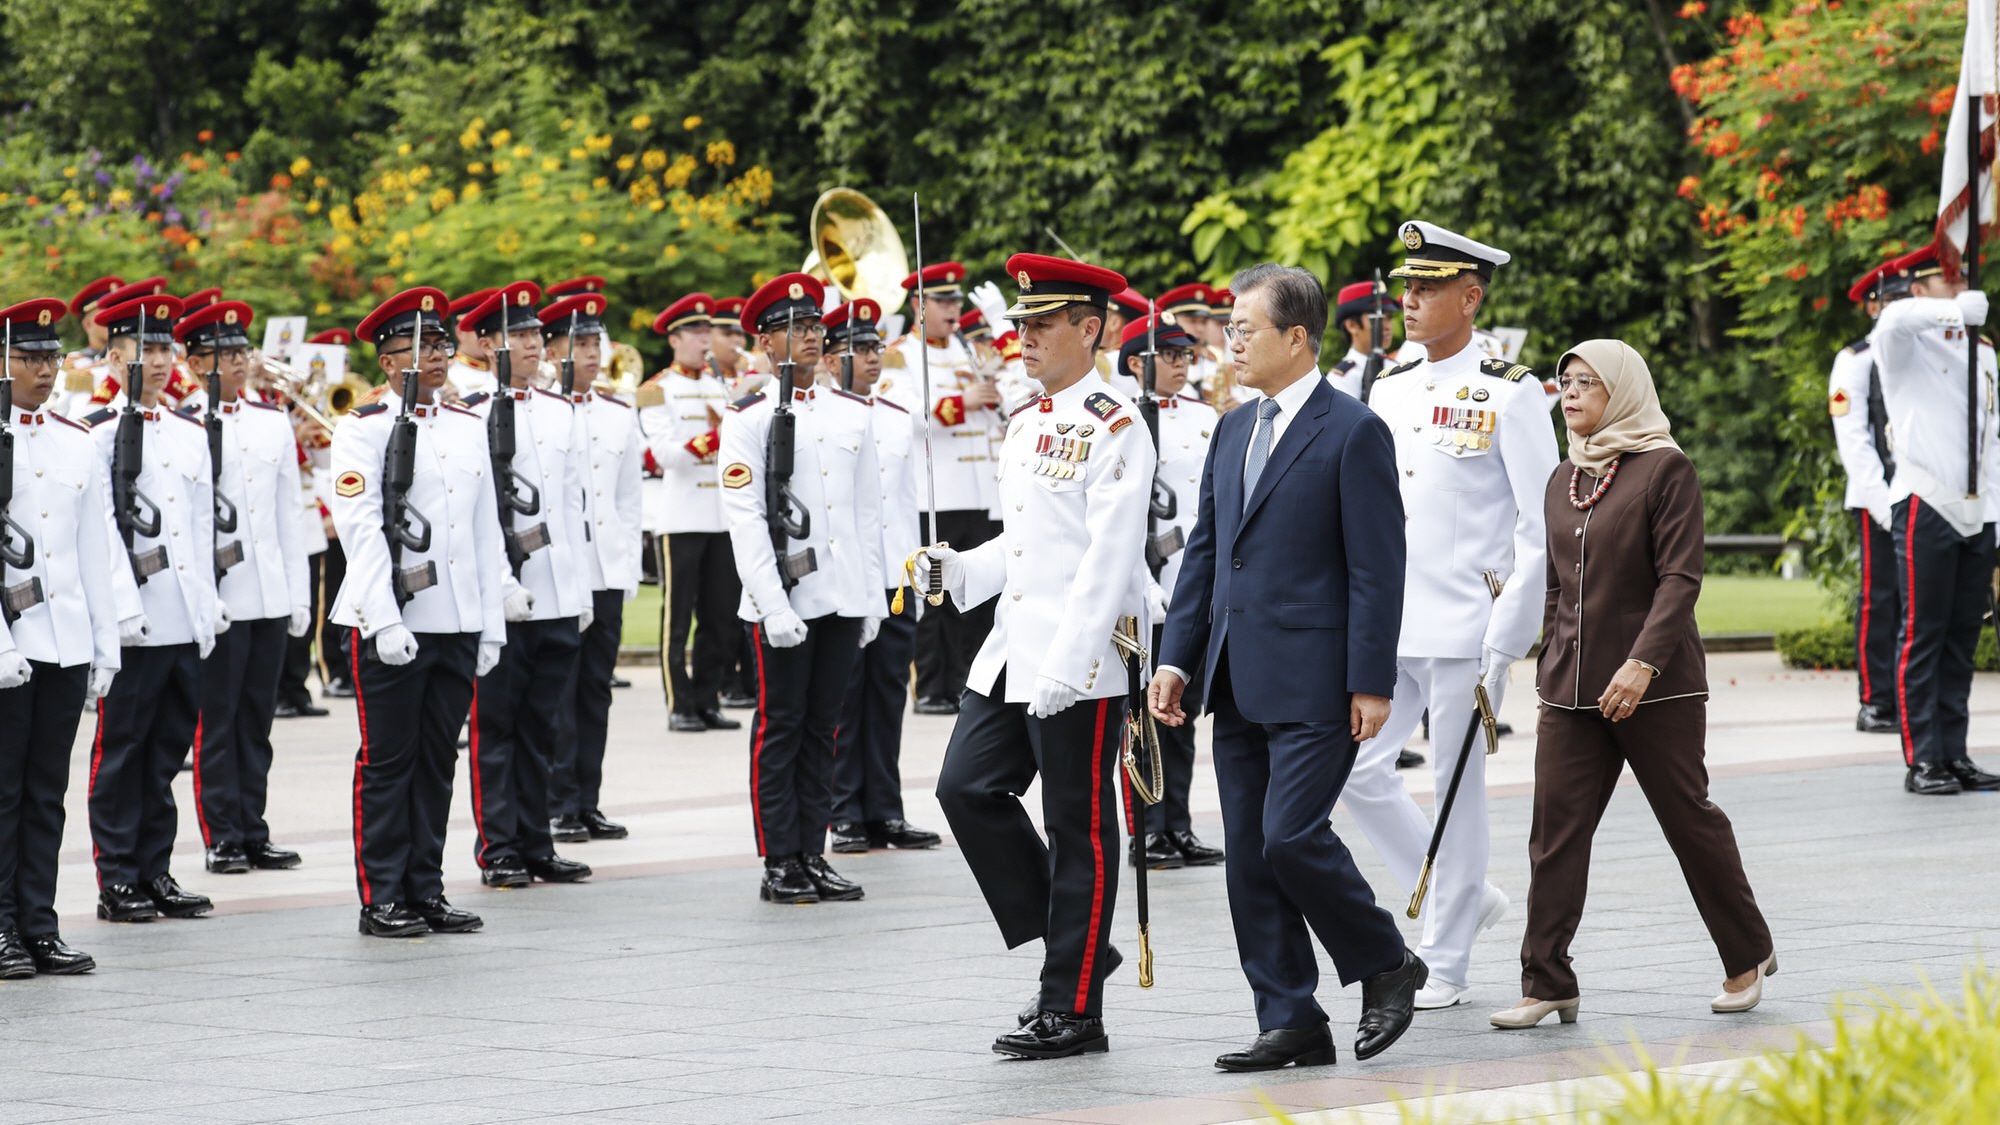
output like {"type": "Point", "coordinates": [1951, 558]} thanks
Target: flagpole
{"type": "Point", "coordinates": [1970, 264]}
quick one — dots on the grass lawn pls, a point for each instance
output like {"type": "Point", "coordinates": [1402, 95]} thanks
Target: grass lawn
{"type": "Point", "coordinates": [642, 618]}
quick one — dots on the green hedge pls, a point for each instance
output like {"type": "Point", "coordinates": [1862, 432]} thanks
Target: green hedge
{"type": "Point", "coordinates": [1825, 647]}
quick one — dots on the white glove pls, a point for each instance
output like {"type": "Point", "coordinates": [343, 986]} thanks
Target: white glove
{"type": "Point", "coordinates": [519, 605]}
{"type": "Point", "coordinates": [1972, 307]}
{"type": "Point", "coordinates": [953, 567]}
{"type": "Point", "coordinates": [489, 657]}
{"type": "Point", "coordinates": [221, 617]}
{"type": "Point", "coordinates": [784, 629]}
{"type": "Point", "coordinates": [584, 619]}
{"type": "Point", "coordinates": [1051, 696]}
{"type": "Point", "coordinates": [1494, 665]}
{"type": "Point", "coordinates": [871, 627]}
{"type": "Point", "coordinates": [15, 670]}
{"type": "Point", "coordinates": [100, 685]}
{"type": "Point", "coordinates": [204, 645]}
{"type": "Point", "coordinates": [395, 646]}
{"type": "Point", "coordinates": [991, 305]}
{"type": "Point", "coordinates": [1883, 515]}
{"type": "Point", "coordinates": [133, 630]}
{"type": "Point", "coordinates": [1156, 601]}
{"type": "Point", "coordinates": [302, 620]}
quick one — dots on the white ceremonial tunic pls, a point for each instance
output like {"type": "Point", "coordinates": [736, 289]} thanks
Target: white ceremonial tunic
{"type": "Point", "coordinates": [59, 484]}
{"type": "Point", "coordinates": [896, 465]}
{"type": "Point", "coordinates": [260, 476]}
{"type": "Point", "coordinates": [680, 412]}
{"type": "Point", "coordinates": [179, 602]}
{"type": "Point", "coordinates": [544, 454]}
{"type": "Point", "coordinates": [467, 380]}
{"type": "Point", "coordinates": [1187, 426]}
{"type": "Point", "coordinates": [962, 440]}
{"type": "Point", "coordinates": [615, 452]}
{"type": "Point", "coordinates": [1848, 390]}
{"type": "Point", "coordinates": [1345, 376]}
{"type": "Point", "coordinates": [1920, 346]}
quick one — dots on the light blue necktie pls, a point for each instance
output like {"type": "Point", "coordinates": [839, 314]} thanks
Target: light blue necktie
{"type": "Point", "coordinates": [1260, 447]}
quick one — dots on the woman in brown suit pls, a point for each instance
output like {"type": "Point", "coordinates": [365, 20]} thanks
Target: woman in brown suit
{"type": "Point", "coordinates": [1622, 680]}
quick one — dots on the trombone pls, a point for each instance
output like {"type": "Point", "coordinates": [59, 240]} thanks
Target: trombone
{"type": "Point", "coordinates": [309, 393]}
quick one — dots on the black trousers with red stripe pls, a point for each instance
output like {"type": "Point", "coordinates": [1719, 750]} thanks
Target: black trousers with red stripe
{"type": "Point", "coordinates": [1878, 613]}
{"type": "Point", "coordinates": [799, 694]}
{"type": "Point", "coordinates": [948, 638]}
{"type": "Point", "coordinates": [409, 715]}
{"type": "Point", "coordinates": [867, 763]}
{"type": "Point", "coordinates": [1945, 579]}
{"type": "Point", "coordinates": [521, 711]}
{"type": "Point", "coordinates": [144, 728]}
{"type": "Point", "coordinates": [232, 751]}
{"type": "Point", "coordinates": [1063, 891]}
{"type": "Point", "coordinates": [37, 725]}
{"type": "Point", "coordinates": [702, 592]}
{"type": "Point", "coordinates": [577, 777]}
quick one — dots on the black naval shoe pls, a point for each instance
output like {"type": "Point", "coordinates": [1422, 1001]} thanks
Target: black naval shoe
{"type": "Point", "coordinates": [16, 963]}
{"type": "Point", "coordinates": [338, 689]}
{"type": "Point", "coordinates": [1054, 1035]}
{"type": "Point", "coordinates": [556, 869]}
{"type": "Point", "coordinates": [1387, 1002]}
{"type": "Point", "coordinates": [937, 705]}
{"type": "Point", "coordinates": [266, 856]}
{"type": "Point", "coordinates": [714, 719]}
{"type": "Point", "coordinates": [849, 838]}
{"type": "Point", "coordinates": [568, 830]}
{"type": "Point", "coordinates": [123, 902]}
{"type": "Point", "coordinates": [600, 828]}
{"type": "Point", "coordinates": [504, 873]}
{"type": "Point", "coordinates": [1284, 1046]}
{"type": "Point", "coordinates": [1931, 779]}
{"type": "Point", "coordinates": [227, 859]}
{"type": "Point", "coordinates": [1156, 851]}
{"type": "Point", "coordinates": [828, 882]}
{"type": "Point", "coordinates": [686, 722]}
{"type": "Point", "coordinates": [1503, 730]}
{"type": "Point", "coordinates": [1876, 720]}
{"type": "Point", "coordinates": [175, 902]}
{"type": "Point", "coordinates": [618, 681]}
{"type": "Point", "coordinates": [1408, 759]}
{"type": "Point", "coordinates": [786, 881]}
{"type": "Point", "coordinates": [1196, 853]}
{"type": "Point", "coordinates": [1033, 1008]}
{"type": "Point", "coordinates": [1971, 777]}
{"type": "Point", "coordinates": [391, 920]}
{"type": "Point", "coordinates": [300, 711]}
{"type": "Point", "coordinates": [901, 834]}
{"type": "Point", "coordinates": [53, 957]}
{"type": "Point", "coordinates": [441, 917]}
{"type": "Point", "coordinates": [739, 701]}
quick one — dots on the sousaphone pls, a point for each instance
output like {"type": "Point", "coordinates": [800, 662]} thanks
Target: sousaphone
{"type": "Point", "coordinates": [856, 249]}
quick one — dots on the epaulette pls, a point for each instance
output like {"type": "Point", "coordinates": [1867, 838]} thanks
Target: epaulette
{"type": "Point", "coordinates": [67, 421]}
{"type": "Point", "coordinates": [1023, 407]}
{"type": "Point", "coordinates": [891, 358]}
{"type": "Point", "coordinates": [747, 401]}
{"type": "Point", "coordinates": [1398, 369]}
{"type": "Point", "coordinates": [1858, 346]}
{"type": "Point", "coordinates": [99, 417]}
{"type": "Point", "coordinates": [369, 410]}
{"type": "Point", "coordinates": [1501, 369]}
{"type": "Point", "coordinates": [461, 410]}
{"type": "Point", "coordinates": [374, 394]}
{"type": "Point", "coordinates": [880, 401]}
{"type": "Point", "coordinates": [187, 414]}
{"type": "Point", "coordinates": [1344, 366]}
{"type": "Point", "coordinates": [650, 395]}
{"type": "Point", "coordinates": [552, 394]}
{"type": "Point", "coordinates": [475, 399]}
{"type": "Point", "coordinates": [862, 399]}
{"type": "Point", "coordinates": [1101, 404]}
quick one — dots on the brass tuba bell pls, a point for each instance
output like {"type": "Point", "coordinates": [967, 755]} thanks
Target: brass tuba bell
{"type": "Point", "coordinates": [856, 248]}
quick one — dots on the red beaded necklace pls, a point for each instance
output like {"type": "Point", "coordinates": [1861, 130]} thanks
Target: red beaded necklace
{"type": "Point", "coordinates": [1596, 494]}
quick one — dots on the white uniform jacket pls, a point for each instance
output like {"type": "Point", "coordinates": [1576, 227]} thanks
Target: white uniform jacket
{"type": "Point", "coordinates": [1852, 394]}
{"type": "Point", "coordinates": [1187, 425]}
{"type": "Point", "coordinates": [545, 453]}
{"type": "Point", "coordinates": [897, 460]}
{"type": "Point", "coordinates": [260, 476]}
{"type": "Point", "coordinates": [609, 435]}
{"type": "Point", "coordinates": [962, 441]}
{"type": "Point", "coordinates": [680, 412]}
{"type": "Point", "coordinates": [1920, 353]}
{"type": "Point", "coordinates": [59, 484]}
{"type": "Point", "coordinates": [179, 602]}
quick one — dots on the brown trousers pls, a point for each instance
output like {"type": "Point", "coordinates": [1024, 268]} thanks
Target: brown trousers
{"type": "Point", "coordinates": [1578, 758]}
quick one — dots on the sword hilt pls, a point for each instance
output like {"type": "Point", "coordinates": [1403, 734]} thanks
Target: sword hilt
{"type": "Point", "coordinates": [1145, 956]}
{"type": "Point", "coordinates": [1423, 888]}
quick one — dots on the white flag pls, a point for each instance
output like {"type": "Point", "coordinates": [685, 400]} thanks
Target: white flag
{"type": "Point", "coordinates": [1977, 74]}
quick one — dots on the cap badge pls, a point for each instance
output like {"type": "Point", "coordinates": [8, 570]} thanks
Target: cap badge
{"type": "Point", "coordinates": [1024, 279]}
{"type": "Point", "coordinates": [797, 292]}
{"type": "Point", "coordinates": [590, 307]}
{"type": "Point", "coordinates": [1166, 318]}
{"type": "Point", "coordinates": [430, 303]}
{"type": "Point", "coordinates": [701, 306]}
{"type": "Point", "coordinates": [1412, 237]}
{"type": "Point", "coordinates": [229, 317]}
{"type": "Point", "coordinates": [521, 297]}
{"type": "Point", "coordinates": [43, 318]}
{"type": "Point", "coordinates": [162, 314]}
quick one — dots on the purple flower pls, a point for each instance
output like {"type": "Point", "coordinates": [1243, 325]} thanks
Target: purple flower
{"type": "Point", "coordinates": [172, 216]}
{"type": "Point", "coordinates": [103, 178]}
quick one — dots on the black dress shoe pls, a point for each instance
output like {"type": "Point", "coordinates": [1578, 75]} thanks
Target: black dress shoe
{"type": "Point", "coordinates": [1196, 853]}
{"type": "Point", "coordinates": [828, 882]}
{"type": "Point", "coordinates": [1156, 852]}
{"type": "Point", "coordinates": [937, 705]}
{"type": "Point", "coordinates": [1971, 777]}
{"type": "Point", "coordinates": [618, 681]}
{"type": "Point", "coordinates": [901, 834]}
{"type": "Point", "coordinates": [266, 856]}
{"type": "Point", "coordinates": [1876, 720]}
{"type": "Point", "coordinates": [16, 963]}
{"type": "Point", "coordinates": [392, 920]}
{"type": "Point", "coordinates": [714, 719]}
{"type": "Point", "coordinates": [556, 869]}
{"type": "Point", "coordinates": [175, 902]}
{"type": "Point", "coordinates": [1033, 1008]}
{"type": "Point", "coordinates": [338, 689]}
{"type": "Point", "coordinates": [1502, 730]}
{"type": "Point", "coordinates": [53, 957]}
{"type": "Point", "coordinates": [739, 701]}
{"type": "Point", "coordinates": [299, 711]}
{"type": "Point", "coordinates": [441, 917]}
{"type": "Point", "coordinates": [1387, 1002]}
{"type": "Point", "coordinates": [1931, 779]}
{"type": "Point", "coordinates": [786, 881]}
{"type": "Point", "coordinates": [686, 723]}
{"type": "Point", "coordinates": [227, 859]}
{"type": "Point", "coordinates": [1408, 759]}
{"type": "Point", "coordinates": [600, 828]}
{"type": "Point", "coordinates": [1054, 1035]}
{"type": "Point", "coordinates": [504, 873]}
{"type": "Point", "coordinates": [1282, 1047]}
{"type": "Point", "coordinates": [123, 902]}
{"type": "Point", "coordinates": [568, 830]}
{"type": "Point", "coordinates": [849, 838]}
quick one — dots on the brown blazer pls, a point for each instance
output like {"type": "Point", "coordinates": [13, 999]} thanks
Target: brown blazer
{"type": "Point", "coordinates": [1622, 582]}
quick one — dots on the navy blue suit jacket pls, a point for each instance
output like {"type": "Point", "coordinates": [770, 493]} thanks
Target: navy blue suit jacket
{"type": "Point", "coordinates": [1306, 584]}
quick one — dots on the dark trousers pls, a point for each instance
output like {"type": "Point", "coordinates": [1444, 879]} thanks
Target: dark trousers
{"type": "Point", "coordinates": [521, 711]}
{"type": "Point", "coordinates": [298, 662]}
{"type": "Point", "coordinates": [577, 775]}
{"type": "Point", "coordinates": [232, 742]}
{"type": "Point", "coordinates": [1578, 757]}
{"type": "Point", "coordinates": [867, 762]}
{"type": "Point", "coordinates": [1063, 891]}
{"type": "Point", "coordinates": [331, 640]}
{"type": "Point", "coordinates": [37, 725]}
{"type": "Point", "coordinates": [948, 637]}
{"type": "Point", "coordinates": [702, 591]}
{"type": "Point", "coordinates": [409, 715]}
{"type": "Point", "coordinates": [1944, 577]}
{"type": "Point", "coordinates": [144, 728]}
{"type": "Point", "coordinates": [1877, 614]}
{"type": "Point", "coordinates": [799, 693]}
{"type": "Point", "coordinates": [1170, 812]}
{"type": "Point", "coordinates": [1290, 877]}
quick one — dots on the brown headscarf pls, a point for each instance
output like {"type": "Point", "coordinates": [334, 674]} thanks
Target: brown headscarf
{"type": "Point", "coordinates": [1633, 421]}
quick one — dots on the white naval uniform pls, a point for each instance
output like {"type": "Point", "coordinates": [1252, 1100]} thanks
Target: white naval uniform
{"type": "Point", "coordinates": [1475, 448]}
{"type": "Point", "coordinates": [179, 602]}
{"type": "Point", "coordinates": [260, 476]}
{"type": "Point", "coordinates": [676, 408]}
{"type": "Point", "coordinates": [466, 380]}
{"type": "Point", "coordinates": [1849, 387]}
{"type": "Point", "coordinates": [59, 483]}
{"type": "Point", "coordinates": [608, 430]}
{"type": "Point", "coordinates": [1187, 426]}
{"type": "Point", "coordinates": [962, 441]}
{"type": "Point", "coordinates": [545, 454]}
{"type": "Point", "coordinates": [1345, 376]}
{"type": "Point", "coordinates": [1920, 357]}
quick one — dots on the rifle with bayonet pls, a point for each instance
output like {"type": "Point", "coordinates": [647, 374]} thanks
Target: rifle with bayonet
{"type": "Point", "coordinates": [17, 547]}
{"type": "Point", "coordinates": [405, 527]}
{"type": "Point", "coordinates": [517, 495]}
{"type": "Point", "coordinates": [783, 514]}
{"type": "Point", "coordinates": [230, 554]}
{"type": "Point", "coordinates": [1373, 369]}
{"type": "Point", "coordinates": [1160, 546]}
{"type": "Point", "coordinates": [136, 514]}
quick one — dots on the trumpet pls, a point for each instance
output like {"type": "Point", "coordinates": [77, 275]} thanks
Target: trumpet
{"type": "Point", "coordinates": [309, 392]}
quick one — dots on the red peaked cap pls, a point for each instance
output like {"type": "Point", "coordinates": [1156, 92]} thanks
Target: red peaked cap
{"type": "Point", "coordinates": [783, 299]}
{"type": "Point", "coordinates": [221, 324]}
{"type": "Point", "coordinates": [468, 302]}
{"type": "Point", "coordinates": [973, 323]}
{"type": "Point", "coordinates": [89, 294]}
{"type": "Point", "coordinates": [588, 283]}
{"type": "Point", "coordinates": [1052, 284]}
{"type": "Point", "coordinates": [578, 314]}
{"type": "Point", "coordinates": [1171, 334]}
{"type": "Point", "coordinates": [397, 315]}
{"type": "Point", "coordinates": [727, 310]}
{"type": "Point", "coordinates": [1183, 299]}
{"type": "Point", "coordinates": [31, 325]}
{"type": "Point", "coordinates": [696, 310]}
{"type": "Point", "coordinates": [509, 308]}
{"type": "Point", "coordinates": [199, 299]}
{"type": "Point", "coordinates": [339, 336]}
{"type": "Point", "coordinates": [152, 286]}
{"type": "Point", "coordinates": [158, 312]}
{"type": "Point", "coordinates": [1359, 299]}
{"type": "Point", "coordinates": [940, 279]}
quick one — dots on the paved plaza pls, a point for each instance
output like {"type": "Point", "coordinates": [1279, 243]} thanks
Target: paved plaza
{"type": "Point", "coordinates": [664, 991]}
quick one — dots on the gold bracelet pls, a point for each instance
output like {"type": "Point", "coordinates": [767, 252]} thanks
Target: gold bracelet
{"type": "Point", "coordinates": [1648, 667]}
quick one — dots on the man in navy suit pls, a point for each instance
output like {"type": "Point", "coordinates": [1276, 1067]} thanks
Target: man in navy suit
{"type": "Point", "coordinates": [1290, 601]}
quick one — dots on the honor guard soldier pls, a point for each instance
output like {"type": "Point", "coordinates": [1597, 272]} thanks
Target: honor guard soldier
{"type": "Point", "coordinates": [805, 520]}
{"type": "Point", "coordinates": [1163, 832]}
{"type": "Point", "coordinates": [1359, 309]}
{"type": "Point", "coordinates": [1047, 693]}
{"type": "Point", "coordinates": [608, 438]}
{"type": "Point", "coordinates": [1943, 519]}
{"type": "Point", "coordinates": [867, 764]}
{"type": "Point", "coordinates": [1185, 306]}
{"type": "Point", "coordinates": [523, 708]}
{"type": "Point", "coordinates": [964, 420]}
{"type": "Point", "coordinates": [260, 564]}
{"type": "Point", "coordinates": [470, 373]}
{"type": "Point", "coordinates": [1860, 416]}
{"type": "Point", "coordinates": [58, 631]}
{"type": "Point", "coordinates": [1475, 446]}
{"type": "Point", "coordinates": [413, 501]}
{"type": "Point", "coordinates": [179, 388]}
{"type": "Point", "coordinates": [325, 563]}
{"type": "Point", "coordinates": [680, 414]}
{"type": "Point", "coordinates": [82, 368]}
{"type": "Point", "coordinates": [159, 503]}
{"type": "Point", "coordinates": [729, 360]}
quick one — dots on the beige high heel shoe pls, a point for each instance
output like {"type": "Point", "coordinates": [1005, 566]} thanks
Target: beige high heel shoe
{"type": "Point", "coordinates": [1528, 1015]}
{"type": "Point", "coordinates": [1727, 1001]}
